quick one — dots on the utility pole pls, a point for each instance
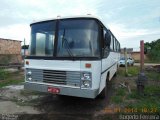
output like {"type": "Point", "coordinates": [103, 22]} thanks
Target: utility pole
{"type": "Point", "coordinates": [24, 47]}
{"type": "Point", "coordinates": [141, 76]}
{"type": "Point", "coordinates": [125, 56]}
{"type": "Point", "coordinates": [142, 56]}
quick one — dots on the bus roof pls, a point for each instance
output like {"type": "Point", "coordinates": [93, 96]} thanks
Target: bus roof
{"type": "Point", "coordinates": [68, 17]}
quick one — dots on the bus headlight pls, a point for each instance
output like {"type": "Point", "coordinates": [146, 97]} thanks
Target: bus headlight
{"type": "Point", "coordinates": [86, 80]}
{"type": "Point", "coordinates": [29, 79]}
{"type": "Point", "coordinates": [86, 84]}
{"type": "Point", "coordinates": [29, 73]}
{"type": "Point", "coordinates": [86, 76]}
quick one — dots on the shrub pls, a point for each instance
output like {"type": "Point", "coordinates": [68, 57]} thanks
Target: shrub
{"type": "Point", "coordinates": [3, 74]}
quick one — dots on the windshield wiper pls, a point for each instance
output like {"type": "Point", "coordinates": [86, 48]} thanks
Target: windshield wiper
{"type": "Point", "coordinates": [65, 41]}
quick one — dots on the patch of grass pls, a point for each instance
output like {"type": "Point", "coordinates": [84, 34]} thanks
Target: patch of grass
{"type": "Point", "coordinates": [133, 71]}
{"type": "Point", "coordinates": [148, 102]}
{"type": "Point", "coordinates": [117, 99]}
{"type": "Point", "coordinates": [10, 82]}
{"type": "Point", "coordinates": [148, 61]}
{"type": "Point", "coordinates": [3, 74]}
{"type": "Point", "coordinates": [153, 75]}
{"type": "Point", "coordinates": [29, 93]}
{"type": "Point", "coordinates": [28, 103]}
{"type": "Point", "coordinates": [133, 95]}
{"type": "Point", "coordinates": [11, 78]}
{"type": "Point", "coordinates": [121, 92]}
{"type": "Point", "coordinates": [152, 90]}
{"type": "Point", "coordinates": [25, 103]}
{"type": "Point", "coordinates": [152, 61]}
{"type": "Point", "coordinates": [121, 72]}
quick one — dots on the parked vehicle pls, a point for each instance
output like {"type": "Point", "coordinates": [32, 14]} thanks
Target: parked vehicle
{"type": "Point", "coordinates": [130, 61]}
{"type": "Point", "coordinates": [75, 56]}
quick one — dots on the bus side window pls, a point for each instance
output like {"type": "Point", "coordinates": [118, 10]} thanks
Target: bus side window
{"type": "Point", "coordinates": [115, 47]}
{"type": "Point", "coordinates": [111, 45]}
{"type": "Point", "coordinates": [119, 47]}
{"type": "Point", "coordinates": [105, 49]}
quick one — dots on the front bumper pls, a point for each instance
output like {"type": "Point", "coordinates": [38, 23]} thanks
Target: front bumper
{"type": "Point", "coordinates": [77, 92]}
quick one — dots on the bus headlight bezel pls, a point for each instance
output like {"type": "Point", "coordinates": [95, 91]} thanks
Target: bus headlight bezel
{"type": "Point", "coordinates": [86, 80]}
{"type": "Point", "coordinates": [86, 76]}
{"type": "Point", "coordinates": [28, 75]}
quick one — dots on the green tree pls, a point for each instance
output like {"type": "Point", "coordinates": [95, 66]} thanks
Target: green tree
{"type": "Point", "coordinates": [153, 50]}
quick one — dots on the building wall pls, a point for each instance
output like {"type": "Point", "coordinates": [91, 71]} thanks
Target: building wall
{"type": "Point", "coordinates": [10, 46]}
{"type": "Point", "coordinates": [10, 51]}
{"type": "Point", "coordinates": [136, 56]}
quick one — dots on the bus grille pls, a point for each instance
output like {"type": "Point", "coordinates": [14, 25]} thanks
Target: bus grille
{"type": "Point", "coordinates": [71, 78]}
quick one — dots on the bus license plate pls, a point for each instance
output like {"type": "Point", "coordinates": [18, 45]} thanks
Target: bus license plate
{"type": "Point", "coordinates": [53, 90]}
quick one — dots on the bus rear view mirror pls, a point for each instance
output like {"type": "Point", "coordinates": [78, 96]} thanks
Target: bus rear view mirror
{"type": "Point", "coordinates": [107, 39]}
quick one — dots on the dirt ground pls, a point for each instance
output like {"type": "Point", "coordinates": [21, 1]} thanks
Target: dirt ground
{"type": "Point", "coordinates": [15, 100]}
{"type": "Point", "coordinates": [9, 97]}
{"type": "Point", "coordinates": [42, 106]}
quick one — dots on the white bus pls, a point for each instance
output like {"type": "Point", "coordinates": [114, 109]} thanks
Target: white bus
{"type": "Point", "coordinates": [74, 56]}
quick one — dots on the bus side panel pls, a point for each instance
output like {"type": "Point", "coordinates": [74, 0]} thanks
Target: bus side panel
{"type": "Point", "coordinates": [103, 81]}
{"type": "Point", "coordinates": [109, 66]}
{"type": "Point", "coordinates": [105, 69]}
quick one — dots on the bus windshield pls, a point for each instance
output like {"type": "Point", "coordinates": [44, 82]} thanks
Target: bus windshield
{"type": "Point", "coordinates": [79, 36]}
{"type": "Point", "coordinates": [42, 39]}
{"type": "Point", "coordinates": [75, 38]}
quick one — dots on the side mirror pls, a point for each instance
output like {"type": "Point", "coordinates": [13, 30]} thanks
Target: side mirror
{"type": "Point", "coordinates": [107, 39]}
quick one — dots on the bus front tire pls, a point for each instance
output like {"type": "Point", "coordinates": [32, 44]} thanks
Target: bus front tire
{"type": "Point", "coordinates": [103, 94]}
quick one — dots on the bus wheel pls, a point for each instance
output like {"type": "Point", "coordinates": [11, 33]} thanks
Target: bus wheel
{"type": "Point", "coordinates": [103, 94]}
{"type": "Point", "coordinates": [115, 74]}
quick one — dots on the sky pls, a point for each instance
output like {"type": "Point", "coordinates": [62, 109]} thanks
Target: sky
{"type": "Point", "coordinates": [129, 20]}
